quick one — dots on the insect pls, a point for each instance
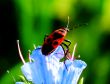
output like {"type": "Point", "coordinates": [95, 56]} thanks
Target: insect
{"type": "Point", "coordinates": [55, 39]}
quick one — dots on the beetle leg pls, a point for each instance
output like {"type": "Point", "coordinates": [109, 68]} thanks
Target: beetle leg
{"type": "Point", "coordinates": [63, 48]}
{"type": "Point", "coordinates": [45, 37]}
{"type": "Point", "coordinates": [68, 42]}
{"type": "Point", "coordinates": [67, 46]}
{"type": "Point", "coordinates": [65, 54]}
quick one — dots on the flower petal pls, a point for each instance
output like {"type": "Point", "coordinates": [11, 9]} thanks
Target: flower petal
{"type": "Point", "coordinates": [48, 69]}
{"type": "Point", "coordinates": [51, 68]}
{"type": "Point", "coordinates": [74, 71]}
{"type": "Point", "coordinates": [26, 70]}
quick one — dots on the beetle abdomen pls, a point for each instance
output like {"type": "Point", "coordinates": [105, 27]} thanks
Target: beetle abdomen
{"type": "Point", "coordinates": [47, 49]}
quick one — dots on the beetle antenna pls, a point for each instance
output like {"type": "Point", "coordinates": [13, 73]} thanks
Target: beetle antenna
{"type": "Point", "coordinates": [20, 54]}
{"type": "Point", "coordinates": [80, 25]}
{"type": "Point", "coordinates": [68, 22]}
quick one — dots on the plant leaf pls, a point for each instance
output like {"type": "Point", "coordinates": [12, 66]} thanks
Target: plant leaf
{"type": "Point", "coordinates": [81, 80]}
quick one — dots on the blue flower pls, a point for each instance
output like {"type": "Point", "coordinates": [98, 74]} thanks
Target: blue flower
{"type": "Point", "coordinates": [49, 69]}
{"type": "Point", "coordinates": [75, 69]}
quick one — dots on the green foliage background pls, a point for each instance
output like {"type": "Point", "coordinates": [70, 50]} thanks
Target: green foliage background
{"type": "Point", "coordinates": [39, 17]}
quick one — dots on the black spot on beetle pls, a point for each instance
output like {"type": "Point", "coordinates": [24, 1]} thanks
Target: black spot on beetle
{"type": "Point", "coordinates": [46, 49]}
{"type": "Point", "coordinates": [57, 35]}
{"type": "Point", "coordinates": [49, 40]}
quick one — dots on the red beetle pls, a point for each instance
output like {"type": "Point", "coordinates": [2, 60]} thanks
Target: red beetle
{"type": "Point", "coordinates": [55, 39]}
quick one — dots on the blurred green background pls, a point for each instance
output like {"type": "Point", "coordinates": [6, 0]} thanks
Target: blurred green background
{"type": "Point", "coordinates": [30, 20]}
